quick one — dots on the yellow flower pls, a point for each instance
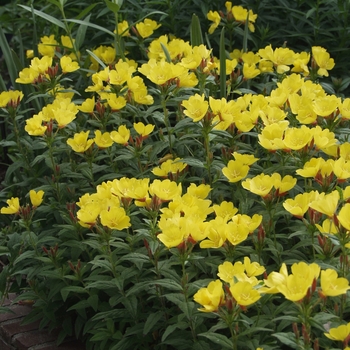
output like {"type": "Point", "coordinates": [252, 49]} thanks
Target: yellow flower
{"type": "Point", "coordinates": [294, 288]}
{"type": "Point", "coordinates": [13, 206]}
{"type": "Point", "coordinates": [241, 15]}
{"type": "Point", "coordinates": [281, 57]}
{"type": "Point", "coordinates": [311, 167]}
{"type": "Point", "coordinates": [169, 166]}
{"type": "Point", "coordinates": [216, 233]}
{"type": "Point", "coordinates": [29, 53]}
{"type": "Point", "coordinates": [12, 97]}
{"type": "Point", "coordinates": [300, 63]}
{"type": "Point", "coordinates": [297, 138]}
{"type": "Point", "coordinates": [328, 227]}
{"type": "Point", "coordinates": [227, 271]}
{"type": "Point", "coordinates": [166, 190]}
{"type": "Point", "coordinates": [250, 71]}
{"type": "Point", "coordinates": [344, 216]}
{"type": "Point", "coordinates": [142, 129]}
{"type": "Point", "coordinates": [235, 171]}
{"type": "Point", "coordinates": [47, 47]}
{"type": "Point", "coordinates": [130, 188]}
{"type": "Point", "coordinates": [27, 76]}
{"type": "Point", "coordinates": [123, 28]}
{"type": "Point", "coordinates": [325, 106]}
{"type": "Point", "coordinates": [278, 97]}
{"type": "Point", "coordinates": [326, 203]}
{"type": "Point", "coordinates": [308, 272]}
{"type": "Point", "coordinates": [214, 17]}
{"type": "Point", "coordinates": [115, 218]}
{"type": "Point", "coordinates": [299, 205]}
{"type": "Point", "coordinates": [138, 91]}
{"type": "Point", "coordinates": [34, 126]}
{"type": "Point", "coordinates": [66, 41]}
{"type": "Point", "coordinates": [344, 108]}
{"type": "Point", "coordinates": [80, 143]}
{"type": "Point", "coordinates": [68, 65]}
{"type": "Point", "coordinates": [64, 111]}
{"type": "Point", "coordinates": [253, 268]}
{"type": "Point", "coordinates": [225, 210]}
{"type": "Point", "coordinates": [244, 293]}
{"type": "Point", "coordinates": [344, 150]}
{"type": "Point", "coordinates": [340, 333]}
{"type": "Point", "coordinates": [88, 213]}
{"type": "Point", "coordinates": [36, 198]}
{"type": "Point", "coordinates": [271, 137]}
{"type": "Point", "coordinates": [106, 54]}
{"type": "Point", "coordinates": [274, 279]}
{"type": "Point", "coordinates": [236, 232]}
{"type": "Point", "coordinates": [103, 140]}
{"type": "Point", "coordinates": [323, 138]}
{"type": "Point", "coordinates": [121, 136]}
{"type": "Point", "coordinates": [172, 234]}
{"type": "Point", "coordinates": [251, 223]}
{"type": "Point", "coordinates": [284, 184]}
{"type": "Point", "coordinates": [41, 65]}
{"type": "Point", "coordinates": [247, 159]}
{"type": "Point", "coordinates": [260, 185]}
{"type": "Point", "coordinates": [200, 191]}
{"type": "Point", "coordinates": [147, 27]}
{"type": "Point", "coordinates": [122, 72]}
{"type": "Point", "coordinates": [332, 285]}
{"type": "Point", "coordinates": [196, 107]}
{"type": "Point", "coordinates": [341, 169]}
{"type": "Point", "coordinates": [211, 297]}
{"type": "Point", "coordinates": [88, 105]}
{"type": "Point", "coordinates": [323, 60]}
{"type": "Point", "coordinates": [116, 102]}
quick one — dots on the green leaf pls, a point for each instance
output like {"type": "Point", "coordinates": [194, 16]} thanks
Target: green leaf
{"type": "Point", "coordinates": [114, 6]}
{"type": "Point", "coordinates": [92, 25]}
{"type": "Point", "coordinates": [137, 258]}
{"type": "Point", "coordinates": [166, 52]}
{"type": "Point", "coordinates": [196, 31]}
{"type": "Point", "coordinates": [72, 289]}
{"type": "Point", "coordinates": [26, 255]}
{"type": "Point", "coordinates": [193, 162]}
{"type": "Point", "coordinates": [218, 339]}
{"type": "Point", "coordinates": [179, 299]}
{"type": "Point", "coordinates": [151, 321]}
{"type": "Point", "coordinates": [6, 51]}
{"type": "Point", "coordinates": [287, 339]}
{"type": "Point", "coordinates": [96, 58]}
{"type": "Point", "coordinates": [49, 18]}
{"type": "Point", "coordinates": [170, 329]}
{"type": "Point", "coordinates": [93, 301]}
{"type": "Point", "coordinates": [222, 64]}
{"type": "Point", "coordinates": [142, 286]}
{"type": "Point", "coordinates": [80, 36]}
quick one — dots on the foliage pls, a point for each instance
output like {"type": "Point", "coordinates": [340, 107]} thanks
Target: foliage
{"type": "Point", "coordinates": [178, 180]}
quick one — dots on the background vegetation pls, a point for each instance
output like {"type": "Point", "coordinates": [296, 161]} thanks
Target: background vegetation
{"type": "Point", "coordinates": [123, 288]}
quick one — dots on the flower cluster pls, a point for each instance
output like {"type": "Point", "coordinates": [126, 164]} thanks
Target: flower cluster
{"type": "Point", "coordinates": [176, 164]}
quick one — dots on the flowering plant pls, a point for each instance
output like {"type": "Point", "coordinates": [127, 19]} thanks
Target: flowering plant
{"type": "Point", "coordinates": [173, 191]}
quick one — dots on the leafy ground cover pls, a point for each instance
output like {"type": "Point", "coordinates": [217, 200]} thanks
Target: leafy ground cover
{"type": "Point", "coordinates": [177, 172]}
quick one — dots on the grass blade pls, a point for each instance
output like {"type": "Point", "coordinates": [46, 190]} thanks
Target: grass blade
{"type": "Point", "coordinates": [96, 58]}
{"type": "Point", "coordinates": [49, 18]}
{"type": "Point", "coordinates": [196, 31]}
{"type": "Point", "coordinates": [92, 25]}
{"type": "Point", "coordinates": [79, 39]}
{"type": "Point", "coordinates": [222, 64]}
{"type": "Point", "coordinates": [6, 50]}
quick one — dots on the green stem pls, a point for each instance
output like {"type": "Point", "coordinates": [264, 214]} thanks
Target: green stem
{"type": "Point", "coordinates": [208, 155]}
{"type": "Point", "coordinates": [166, 120]}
